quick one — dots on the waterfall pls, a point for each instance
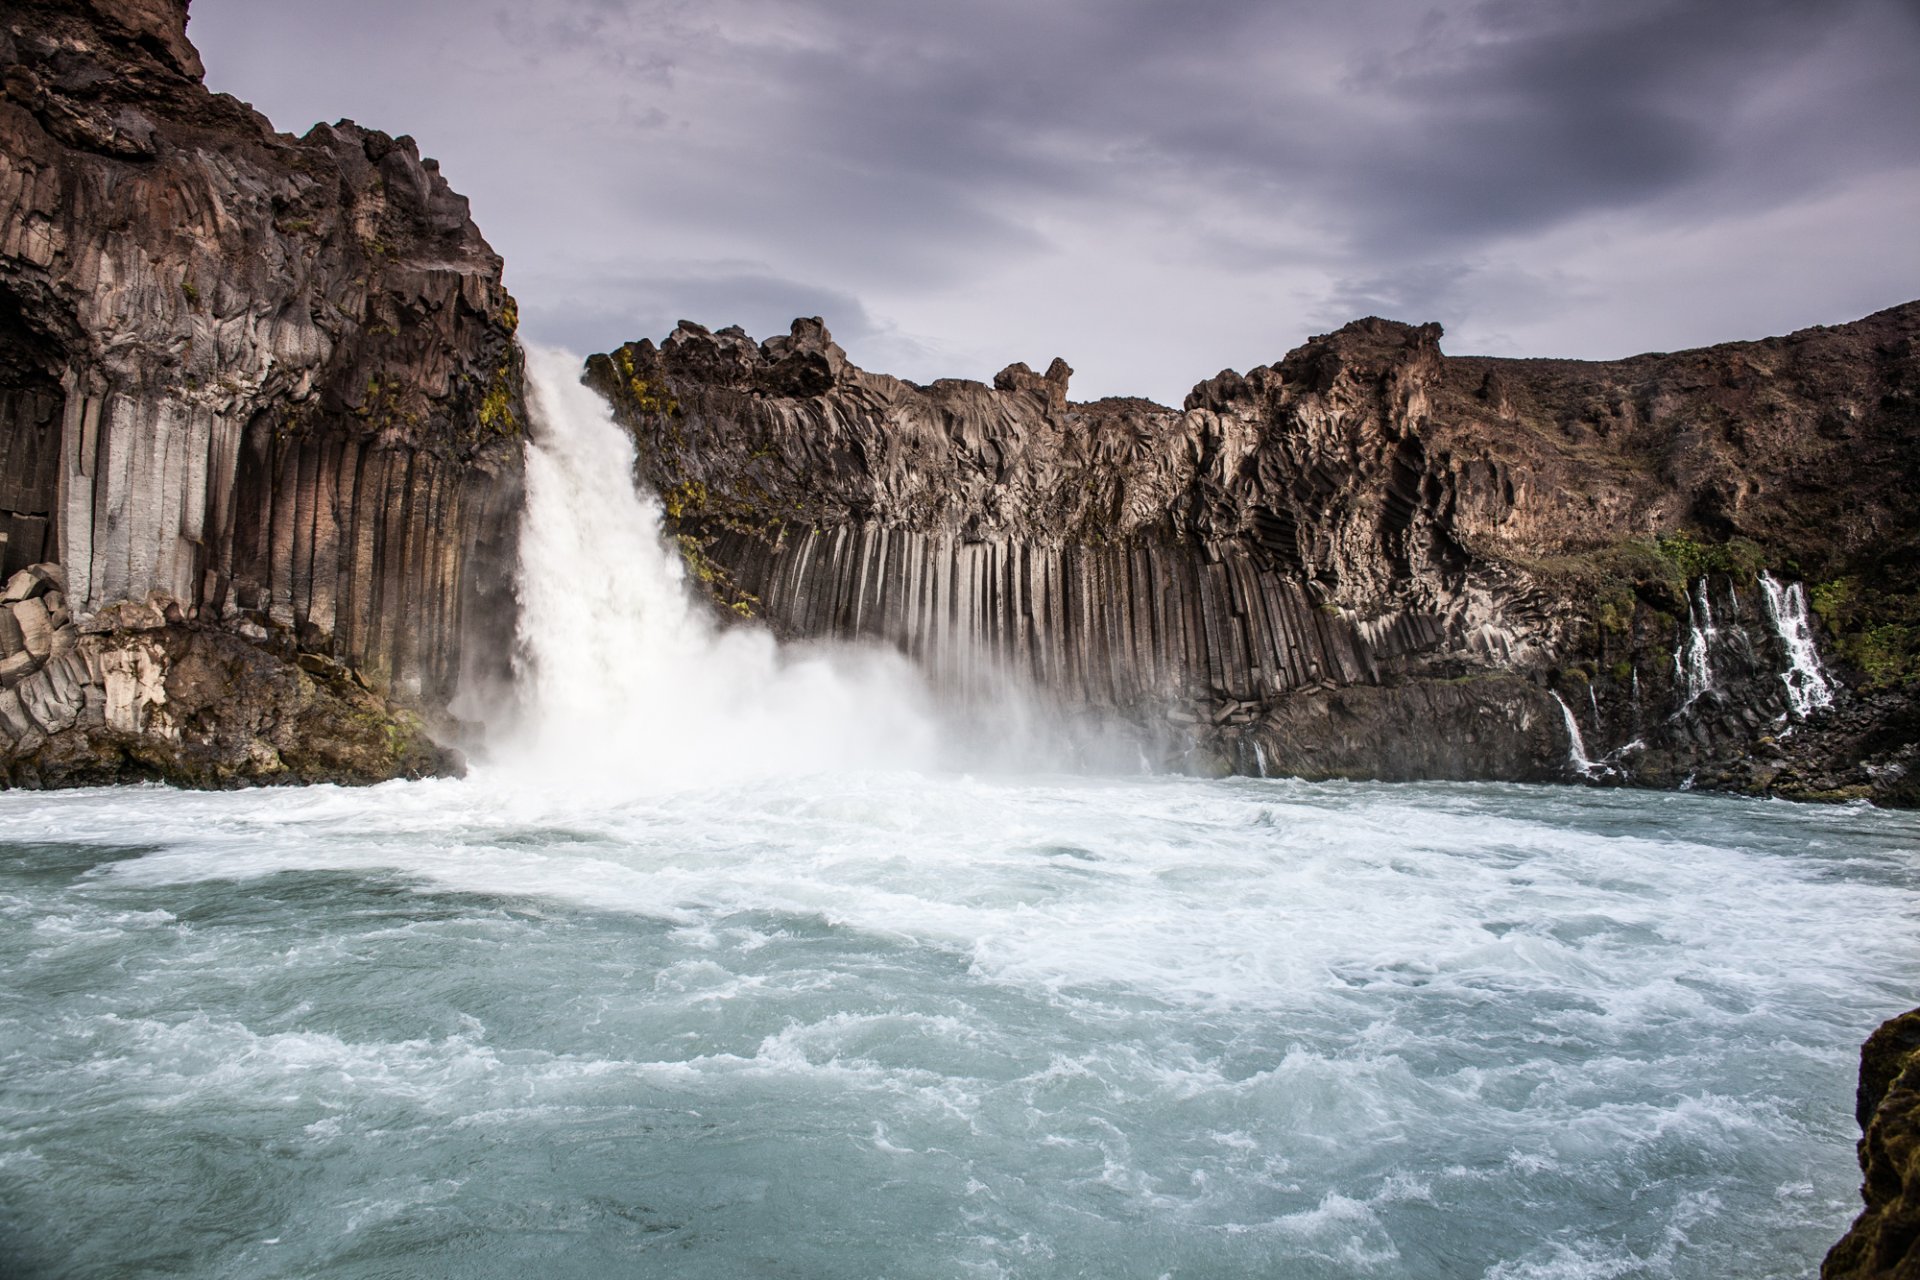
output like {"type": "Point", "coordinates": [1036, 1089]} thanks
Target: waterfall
{"type": "Point", "coordinates": [1693, 661]}
{"type": "Point", "coordinates": [625, 677]}
{"type": "Point", "coordinates": [1576, 745]}
{"type": "Point", "coordinates": [1808, 688]}
{"type": "Point", "coordinates": [1260, 757]}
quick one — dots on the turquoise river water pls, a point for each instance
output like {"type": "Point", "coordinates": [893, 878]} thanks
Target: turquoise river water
{"type": "Point", "coordinates": [926, 1024]}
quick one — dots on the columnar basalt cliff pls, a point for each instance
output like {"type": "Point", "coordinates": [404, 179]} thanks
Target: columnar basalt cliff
{"type": "Point", "coordinates": [1368, 559]}
{"type": "Point", "coordinates": [259, 403]}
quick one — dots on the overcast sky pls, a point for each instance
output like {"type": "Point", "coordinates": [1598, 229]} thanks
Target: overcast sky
{"type": "Point", "coordinates": [1153, 189]}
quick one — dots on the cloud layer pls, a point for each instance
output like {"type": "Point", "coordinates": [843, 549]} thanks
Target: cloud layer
{"type": "Point", "coordinates": [1151, 188]}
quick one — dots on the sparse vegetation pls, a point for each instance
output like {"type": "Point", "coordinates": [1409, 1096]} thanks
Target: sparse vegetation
{"type": "Point", "coordinates": [719, 583]}
{"type": "Point", "coordinates": [496, 412]}
{"type": "Point", "coordinates": [1693, 558]}
{"type": "Point", "coordinates": [686, 499]}
{"type": "Point", "coordinates": [1876, 631]}
{"type": "Point", "coordinates": [643, 396]}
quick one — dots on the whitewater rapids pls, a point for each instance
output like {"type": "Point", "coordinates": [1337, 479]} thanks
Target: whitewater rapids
{"type": "Point", "coordinates": [910, 1025]}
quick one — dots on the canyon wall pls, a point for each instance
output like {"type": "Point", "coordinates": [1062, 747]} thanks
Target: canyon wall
{"type": "Point", "coordinates": [1368, 559]}
{"type": "Point", "coordinates": [249, 384]}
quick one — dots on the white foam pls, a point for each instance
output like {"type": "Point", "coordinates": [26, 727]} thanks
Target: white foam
{"type": "Point", "coordinates": [1270, 1013]}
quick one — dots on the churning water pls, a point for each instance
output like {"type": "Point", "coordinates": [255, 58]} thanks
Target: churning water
{"type": "Point", "coordinates": [795, 1002]}
{"type": "Point", "coordinates": [893, 1024]}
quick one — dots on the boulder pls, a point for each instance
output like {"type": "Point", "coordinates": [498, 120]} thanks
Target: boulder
{"type": "Point", "coordinates": [34, 580]}
{"type": "Point", "coordinates": [36, 626]}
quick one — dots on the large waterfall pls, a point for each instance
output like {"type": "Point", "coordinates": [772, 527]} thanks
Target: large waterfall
{"type": "Point", "coordinates": [625, 677]}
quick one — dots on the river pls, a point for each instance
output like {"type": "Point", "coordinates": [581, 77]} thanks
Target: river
{"type": "Point", "coordinates": [736, 962]}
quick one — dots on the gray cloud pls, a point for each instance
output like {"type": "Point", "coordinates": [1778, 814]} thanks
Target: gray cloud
{"type": "Point", "coordinates": [717, 294]}
{"type": "Point", "coordinates": [1125, 181]}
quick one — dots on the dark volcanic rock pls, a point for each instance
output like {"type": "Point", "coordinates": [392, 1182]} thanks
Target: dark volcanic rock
{"type": "Point", "coordinates": [270, 381]}
{"type": "Point", "coordinates": [198, 706]}
{"type": "Point", "coordinates": [1462, 537]}
{"type": "Point", "coordinates": [1884, 1242]}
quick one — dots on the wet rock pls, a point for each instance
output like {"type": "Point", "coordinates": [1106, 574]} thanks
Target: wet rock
{"type": "Point", "coordinates": [198, 706]}
{"type": "Point", "coordinates": [1884, 1242]}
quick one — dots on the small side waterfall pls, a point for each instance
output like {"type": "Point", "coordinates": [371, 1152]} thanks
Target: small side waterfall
{"type": "Point", "coordinates": [1693, 660]}
{"type": "Point", "coordinates": [1808, 688]}
{"type": "Point", "coordinates": [1576, 745]}
{"type": "Point", "coordinates": [625, 680]}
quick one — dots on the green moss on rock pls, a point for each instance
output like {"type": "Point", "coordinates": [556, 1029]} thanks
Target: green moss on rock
{"type": "Point", "coordinates": [1875, 627]}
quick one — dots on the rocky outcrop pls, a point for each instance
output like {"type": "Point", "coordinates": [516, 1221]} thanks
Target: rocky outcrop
{"type": "Point", "coordinates": [1368, 559]}
{"type": "Point", "coordinates": [1884, 1242]}
{"type": "Point", "coordinates": [136, 692]}
{"type": "Point", "coordinates": [265, 386]}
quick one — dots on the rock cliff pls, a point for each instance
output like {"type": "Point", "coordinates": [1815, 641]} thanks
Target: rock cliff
{"type": "Point", "coordinates": [1884, 1243]}
{"type": "Point", "coordinates": [1368, 559]}
{"type": "Point", "coordinates": [259, 406]}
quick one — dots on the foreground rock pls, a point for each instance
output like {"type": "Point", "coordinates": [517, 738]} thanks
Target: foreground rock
{"type": "Point", "coordinates": [1884, 1242]}
{"type": "Point", "coordinates": [1368, 559]}
{"type": "Point", "coordinates": [266, 385]}
{"type": "Point", "coordinates": [140, 693]}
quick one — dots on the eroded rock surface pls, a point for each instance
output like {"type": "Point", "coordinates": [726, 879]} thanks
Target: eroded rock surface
{"type": "Point", "coordinates": [1884, 1242]}
{"type": "Point", "coordinates": [139, 692]}
{"type": "Point", "coordinates": [1466, 540]}
{"type": "Point", "coordinates": [270, 381]}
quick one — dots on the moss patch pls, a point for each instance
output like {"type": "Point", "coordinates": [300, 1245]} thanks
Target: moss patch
{"type": "Point", "coordinates": [1694, 558]}
{"type": "Point", "coordinates": [1621, 578]}
{"type": "Point", "coordinates": [1875, 625]}
{"type": "Point", "coordinates": [719, 583]}
{"type": "Point", "coordinates": [641, 395]}
{"type": "Point", "coordinates": [496, 406]}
